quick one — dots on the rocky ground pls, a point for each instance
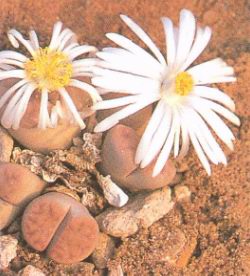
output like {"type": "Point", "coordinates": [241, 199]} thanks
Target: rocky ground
{"type": "Point", "coordinates": [206, 233]}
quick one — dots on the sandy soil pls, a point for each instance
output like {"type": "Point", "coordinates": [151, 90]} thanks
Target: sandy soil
{"type": "Point", "coordinates": [218, 215]}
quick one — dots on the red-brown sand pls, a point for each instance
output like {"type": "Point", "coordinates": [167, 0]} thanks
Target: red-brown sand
{"type": "Point", "coordinates": [218, 216]}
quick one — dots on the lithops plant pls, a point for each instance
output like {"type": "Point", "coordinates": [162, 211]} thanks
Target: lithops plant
{"type": "Point", "coordinates": [62, 226]}
{"type": "Point", "coordinates": [18, 186]}
{"type": "Point", "coordinates": [118, 152]}
{"type": "Point", "coordinates": [46, 94]}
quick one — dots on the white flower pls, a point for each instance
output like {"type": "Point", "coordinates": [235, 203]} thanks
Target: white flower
{"type": "Point", "coordinates": [48, 69]}
{"type": "Point", "coordinates": [184, 104]}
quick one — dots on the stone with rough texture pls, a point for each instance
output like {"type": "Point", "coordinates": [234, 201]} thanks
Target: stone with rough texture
{"type": "Point", "coordinates": [103, 251]}
{"type": "Point", "coordinates": [6, 145]}
{"type": "Point", "coordinates": [113, 193]}
{"type": "Point", "coordinates": [118, 154]}
{"type": "Point", "coordinates": [30, 270]}
{"type": "Point", "coordinates": [141, 211]}
{"type": "Point", "coordinates": [116, 271]}
{"type": "Point", "coordinates": [187, 252]}
{"type": "Point", "coordinates": [182, 192]}
{"type": "Point", "coordinates": [8, 248]}
{"type": "Point", "coordinates": [60, 225]}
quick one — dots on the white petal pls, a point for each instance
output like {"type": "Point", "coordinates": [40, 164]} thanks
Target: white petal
{"type": "Point", "coordinates": [125, 83]}
{"type": "Point", "coordinates": [8, 115]}
{"type": "Point", "coordinates": [86, 62]}
{"type": "Point", "coordinates": [55, 34]}
{"type": "Point", "coordinates": [212, 71]}
{"type": "Point", "coordinates": [144, 37]}
{"type": "Point", "coordinates": [88, 88]}
{"type": "Point", "coordinates": [34, 40]}
{"type": "Point", "coordinates": [6, 67]}
{"type": "Point", "coordinates": [202, 139]}
{"type": "Point", "coordinates": [200, 152]}
{"type": "Point", "coordinates": [123, 113]}
{"type": "Point", "coordinates": [13, 55]}
{"type": "Point", "coordinates": [70, 104]}
{"type": "Point", "coordinates": [70, 48]}
{"type": "Point", "coordinates": [214, 94]}
{"type": "Point", "coordinates": [221, 79]}
{"type": "Point", "coordinates": [80, 50]}
{"type": "Point", "coordinates": [42, 122]}
{"type": "Point", "coordinates": [177, 134]}
{"type": "Point", "coordinates": [165, 152]}
{"type": "Point", "coordinates": [82, 70]}
{"type": "Point", "coordinates": [197, 147]}
{"type": "Point", "coordinates": [158, 138]}
{"type": "Point", "coordinates": [15, 36]}
{"type": "Point", "coordinates": [215, 122]}
{"type": "Point", "coordinates": [201, 40]}
{"type": "Point", "coordinates": [201, 126]}
{"type": "Point", "coordinates": [64, 39]}
{"type": "Point", "coordinates": [128, 62]}
{"type": "Point", "coordinates": [5, 97]}
{"type": "Point", "coordinates": [131, 46]}
{"type": "Point", "coordinates": [20, 74]}
{"type": "Point", "coordinates": [22, 106]}
{"type": "Point", "coordinates": [152, 126]}
{"type": "Point", "coordinates": [54, 116]}
{"type": "Point", "coordinates": [113, 103]}
{"type": "Point", "coordinates": [170, 40]}
{"type": "Point", "coordinates": [12, 62]}
{"type": "Point", "coordinates": [186, 36]}
{"type": "Point", "coordinates": [230, 116]}
{"type": "Point", "coordinates": [185, 138]}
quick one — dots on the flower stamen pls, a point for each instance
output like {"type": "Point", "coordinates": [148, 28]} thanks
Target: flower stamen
{"type": "Point", "coordinates": [49, 69]}
{"type": "Point", "coordinates": [183, 84]}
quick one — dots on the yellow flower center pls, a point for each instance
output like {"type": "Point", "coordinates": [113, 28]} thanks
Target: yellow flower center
{"type": "Point", "coordinates": [49, 69]}
{"type": "Point", "coordinates": [183, 84]}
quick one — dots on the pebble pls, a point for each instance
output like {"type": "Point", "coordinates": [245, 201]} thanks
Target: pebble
{"type": "Point", "coordinates": [141, 211]}
{"type": "Point", "coordinates": [182, 192]}
{"type": "Point", "coordinates": [104, 250]}
{"type": "Point", "coordinates": [30, 270]}
{"type": "Point", "coordinates": [6, 145]}
{"type": "Point", "coordinates": [8, 248]}
{"type": "Point", "coordinates": [116, 271]}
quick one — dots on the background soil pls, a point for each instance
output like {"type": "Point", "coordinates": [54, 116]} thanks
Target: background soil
{"type": "Point", "coordinates": [217, 219]}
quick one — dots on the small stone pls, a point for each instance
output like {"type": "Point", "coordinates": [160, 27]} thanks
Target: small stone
{"type": "Point", "coordinates": [173, 245]}
{"type": "Point", "coordinates": [187, 252]}
{"type": "Point", "coordinates": [141, 211]}
{"type": "Point", "coordinates": [8, 248]}
{"type": "Point", "coordinates": [182, 192]}
{"type": "Point", "coordinates": [103, 251]}
{"type": "Point", "coordinates": [113, 193]}
{"type": "Point", "coordinates": [30, 270]}
{"type": "Point", "coordinates": [6, 145]}
{"type": "Point", "coordinates": [176, 247]}
{"type": "Point", "coordinates": [116, 271]}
